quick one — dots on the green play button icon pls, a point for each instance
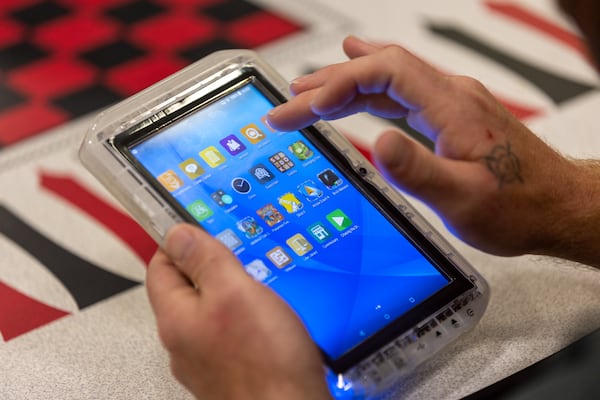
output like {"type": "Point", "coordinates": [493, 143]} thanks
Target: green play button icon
{"type": "Point", "coordinates": [339, 220]}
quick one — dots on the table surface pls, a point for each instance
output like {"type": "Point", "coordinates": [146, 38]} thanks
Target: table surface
{"type": "Point", "coordinates": [74, 317]}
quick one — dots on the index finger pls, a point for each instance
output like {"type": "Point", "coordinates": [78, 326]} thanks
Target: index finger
{"type": "Point", "coordinates": [393, 71]}
{"type": "Point", "coordinates": [298, 112]}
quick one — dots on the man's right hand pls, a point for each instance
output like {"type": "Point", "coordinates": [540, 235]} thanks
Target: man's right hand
{"type": "Point", "coordinates": [495, 184]}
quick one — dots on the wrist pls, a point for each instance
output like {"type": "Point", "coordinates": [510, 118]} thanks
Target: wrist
{"type": "Point", "coordinates": [310, 388]}
{"type": "Point", "coordinates": [574, 217]}
{"type": "Point", "coordinates": [309, 384]}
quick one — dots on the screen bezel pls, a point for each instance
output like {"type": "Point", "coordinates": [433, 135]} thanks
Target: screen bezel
{"type": "Point", "coordinates": [458, 283]}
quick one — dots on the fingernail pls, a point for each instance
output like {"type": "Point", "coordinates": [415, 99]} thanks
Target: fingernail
{"type": "Point", "coordinates": [299, 80]}
{"type": "Point", "coordinates": [297, 84]}
{"type": "Point", "coordinates": [314, 106]}
{"type": "Point", "coordinates": [179, 243]}
{"type": "Point", "coordinates": [272, 112]}
{"type": "Point", "coordinates": [268, 122]}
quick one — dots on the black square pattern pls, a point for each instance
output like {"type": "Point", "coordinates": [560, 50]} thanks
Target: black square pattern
{"type": "Point", "coordinates": [20, 54]}
{"type": "Point", "coordinates": [197, 52]}
{"type": "Point", "coordinates": [9, 98]}
{"type": "Point", "coordinates": [40, 13]}
{"type": "Point", "coordinates": [60, 59]}
{"type": "Point", "coordinates": [230, 10]}
{"type": "Point", "coordinates": [135, 11]}
{"type": "Point", "coordinates": [113, 54]}
{"type": "Point", "coordinates": [87, 100]}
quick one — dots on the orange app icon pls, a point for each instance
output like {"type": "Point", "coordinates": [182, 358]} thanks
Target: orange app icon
{"type": "Point", "coordinates": [252, 133]}
{"type": "Point", "coordinates": [170, 180]}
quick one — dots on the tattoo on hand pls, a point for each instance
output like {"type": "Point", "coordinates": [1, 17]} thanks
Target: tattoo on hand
{"type": "Point", "coordinates": [504, 164]}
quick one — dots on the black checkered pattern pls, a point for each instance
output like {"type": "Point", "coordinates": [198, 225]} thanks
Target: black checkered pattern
{"type": "Point", "coordinates": [60, 59]}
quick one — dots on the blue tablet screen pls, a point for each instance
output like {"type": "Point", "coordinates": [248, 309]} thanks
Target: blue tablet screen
{"type": "Point", "coordinates": [294, 220]}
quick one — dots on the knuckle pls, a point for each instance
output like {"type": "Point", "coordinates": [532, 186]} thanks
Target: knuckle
{"type": "Point", "coordinates": [468, 85]}
{"type": "Point", "coordinates": [396, 53]}
{"type": "Point", "coordinates": [208, 254]}
{"type": "Point", "coordinates": [226, 309]}
{"type": "Point", "coordinates": [473, 94]}
{"type": "Point", "coordinates": [229, 299]}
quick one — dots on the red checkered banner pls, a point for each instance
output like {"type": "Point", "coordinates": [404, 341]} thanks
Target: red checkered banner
{"type": "Point", "coordinates": [63, 59]}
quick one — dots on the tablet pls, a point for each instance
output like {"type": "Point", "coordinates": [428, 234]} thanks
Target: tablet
{"type": "Point", "coordinates": [379, 290]}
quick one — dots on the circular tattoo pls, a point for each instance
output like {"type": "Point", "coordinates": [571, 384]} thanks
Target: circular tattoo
{"type": "Point", "coordinates": [504, 164]}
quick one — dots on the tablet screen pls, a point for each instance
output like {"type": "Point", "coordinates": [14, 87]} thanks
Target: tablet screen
{"type": "Point", "coordinates": [295, 219]}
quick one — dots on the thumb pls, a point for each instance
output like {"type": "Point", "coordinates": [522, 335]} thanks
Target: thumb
{"type": "Point", "coordinates": [205, 261]}
{"type": "Point", "coordinates": [417, 170]}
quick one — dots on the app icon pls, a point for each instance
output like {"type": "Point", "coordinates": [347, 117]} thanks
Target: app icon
{"type": "Point", "coordinates": [170, 180]}
{"type": "Point", "coordinates": [212, 156]}
{"type": "Point", "coordinates": [232, 144]}
{"type": "Point", "coordinates": [240, 185]}
{"type": "Point", "coordinates": [329, 179]}
{"type": "Point", "coordinates": [252, 133]}
{"type": "Point", "coordinates": [263, 119]}
{"type": "Point", "coordinates": [229, 239]}
{"type": "Point", "coordinates": [191, 168]}
{"type": "Point", "coordinates": [199, 210]}
{"type": "Point", "coordinates": [299, 244]}
{"type": "Point", "coordinates": [290, 203]}
{"type": "Point", "coordinates": [221, 198]}
{"type": "Point", "coordinates": [279, 257]}
{"type": "Point", "coordinates": [281, 161]}
{"type": "Point", "coordinates": [249, 227]}
{"type": "Point", "coordinates": [339, 220]}
{"type": "Point", "coordinates": [309, 190]}
{"type": "Point", "coordinates": [301, 150]}
{"type": "Point", "coordinates": [319, 232]}
{"type": "Point", "coordinates": [258, 270]}
{"type": "Point", "coordinates": [262, 173]}
{"type": "Point", "coordinates": [270, 214]}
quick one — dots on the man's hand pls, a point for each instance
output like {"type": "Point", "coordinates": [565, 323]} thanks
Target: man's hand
{"type": "Point", "coordinates": [228, 336]}
{"type": "Point", "coordinates": [496, 184]}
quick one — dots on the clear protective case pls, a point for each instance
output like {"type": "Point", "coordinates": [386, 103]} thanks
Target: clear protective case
{"type": "Point", "coordinates": [375, 374]}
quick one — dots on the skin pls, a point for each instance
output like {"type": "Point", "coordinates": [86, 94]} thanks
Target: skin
{"type": "Point", "coordinates": [486, 163]}
{"type": "Point", "coordinates": [496, 185]}
{"type": "Point", "coordinates": [228, 336]}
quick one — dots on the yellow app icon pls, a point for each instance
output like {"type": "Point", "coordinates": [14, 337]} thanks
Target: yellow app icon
{"type": "Point", "coordinates": [290, 203]}
{"type": "Point", "coordinates": [299, 244]}
{"type": "Point", "coordinates": [212, 156]}
{"type": "Point", "coordinates": [252, 133]}
{"type": "Point", "coordinates": [191, 168]}
{"type": "Point", "coordinates": [170, 180]}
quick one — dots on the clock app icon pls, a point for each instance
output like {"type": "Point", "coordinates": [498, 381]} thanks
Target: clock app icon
{"type": "Point", "coordinates": [240, 185]}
